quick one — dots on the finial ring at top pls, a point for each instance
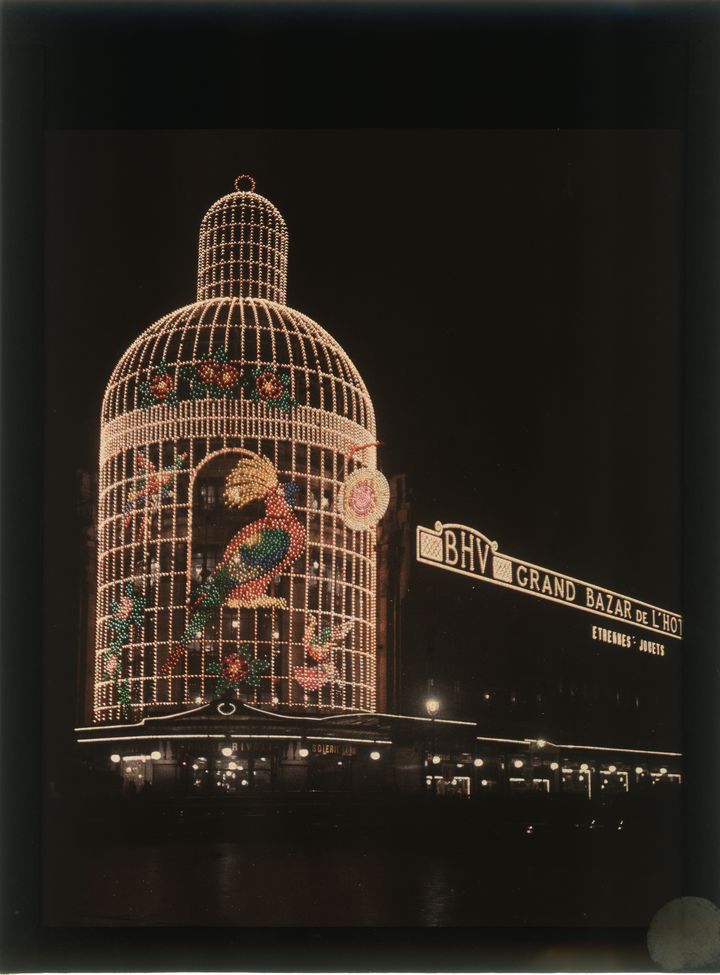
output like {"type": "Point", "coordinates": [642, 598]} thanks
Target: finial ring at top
{"type": "Point", "coordinates": [239, 189]}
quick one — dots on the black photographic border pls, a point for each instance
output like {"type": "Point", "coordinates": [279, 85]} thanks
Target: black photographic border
{"type": "Point", "coordinates": [116, 66]}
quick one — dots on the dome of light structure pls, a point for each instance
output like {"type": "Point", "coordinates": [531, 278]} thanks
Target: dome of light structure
{"type": "Point", "coordinates": [238, 497]}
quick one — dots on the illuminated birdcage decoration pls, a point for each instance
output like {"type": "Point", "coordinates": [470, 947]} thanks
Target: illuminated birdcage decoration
{"type": "Point", "coordinates": [238, 497]}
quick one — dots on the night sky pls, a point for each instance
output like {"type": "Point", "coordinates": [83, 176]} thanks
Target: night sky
{"type": "Point", "coordinates": [512, 300]}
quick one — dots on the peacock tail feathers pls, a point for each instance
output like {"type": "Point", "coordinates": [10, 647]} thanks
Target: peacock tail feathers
{"type": "Point", "coordinates": [207, 601]}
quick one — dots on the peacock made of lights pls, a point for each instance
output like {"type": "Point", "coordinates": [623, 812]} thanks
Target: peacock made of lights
{"type": "Point", "coordinates": [239, 494]}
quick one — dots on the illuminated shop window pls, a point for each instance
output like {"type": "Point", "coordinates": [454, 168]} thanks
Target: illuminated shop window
{"type": "Point", "coordinates": [458, 786]}
{"type": "Point", "coordinates": [537, 784]}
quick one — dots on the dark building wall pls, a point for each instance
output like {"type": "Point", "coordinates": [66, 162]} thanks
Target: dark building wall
{"type": "Point", "coordinates": [520, 666]}
{"type": "Point", "coordinates": [87, 561]}
{"type": "Point", "coordinates": [523, 667]}
{"type": "Point", "coordinates": [395, 556]}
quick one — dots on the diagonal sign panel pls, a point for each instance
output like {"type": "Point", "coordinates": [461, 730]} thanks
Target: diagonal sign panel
{"type": "Point", "coordinates": [467, 551]}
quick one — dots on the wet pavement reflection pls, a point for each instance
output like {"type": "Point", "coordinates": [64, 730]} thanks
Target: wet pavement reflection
{"type": "Point", "coordinates": [343, 863]}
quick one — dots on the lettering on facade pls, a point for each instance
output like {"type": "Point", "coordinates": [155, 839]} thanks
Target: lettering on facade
{"type": "Point", "coordinates": [458, 548]}
{"type": "Point", "coordinates": [618, 639]}
{"type": "Point", "coordinates": [330, 748]}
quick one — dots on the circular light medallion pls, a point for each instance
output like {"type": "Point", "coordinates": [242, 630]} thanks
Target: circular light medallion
{"type": "Point", "coordinates": [226, 708]}
{"type": "Point", "coordinates": [364, 498]}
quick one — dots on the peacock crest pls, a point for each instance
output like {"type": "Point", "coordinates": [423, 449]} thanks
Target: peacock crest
{"type": "Point", "coordinates": [251, 479]}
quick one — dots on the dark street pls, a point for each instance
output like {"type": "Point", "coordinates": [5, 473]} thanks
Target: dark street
{"type": "Point", "coordinates": [340, 862]}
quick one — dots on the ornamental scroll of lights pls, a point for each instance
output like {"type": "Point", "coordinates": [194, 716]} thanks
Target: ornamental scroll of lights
{"type": "Point", "coordinates": [466, 551]}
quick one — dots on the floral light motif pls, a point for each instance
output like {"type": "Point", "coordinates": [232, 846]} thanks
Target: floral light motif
{"type": "Point", "coordinates": [214, 376]}
{"type": "Point", "coordinates": [159, 387]}
{"type": "Point", "coordinates": [241, 667]}
{"type": "Point", "coordinates": [126, 612]}
{"type": "Point", "coordinates": [270, 386]}
{"type": "Point", "coordinates": [235, 667]}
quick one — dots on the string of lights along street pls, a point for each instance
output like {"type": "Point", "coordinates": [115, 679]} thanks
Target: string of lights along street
{"type": "Point", "coordinates": [238, 496]}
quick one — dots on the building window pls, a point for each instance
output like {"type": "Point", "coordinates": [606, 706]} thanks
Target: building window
{"type": "Point", "coordinates": [203, 563]}
{"type": "Point", "coordinates": [208, 494]}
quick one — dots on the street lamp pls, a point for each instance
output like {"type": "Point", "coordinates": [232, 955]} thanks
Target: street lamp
{"type": "Point", "coordinates": [432, 706]}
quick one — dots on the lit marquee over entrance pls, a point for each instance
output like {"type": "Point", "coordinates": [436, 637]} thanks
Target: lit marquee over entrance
{"type": "Point", "coordinates": [467, 551]}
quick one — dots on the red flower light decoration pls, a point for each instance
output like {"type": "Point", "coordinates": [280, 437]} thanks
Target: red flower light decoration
{"type": "Point", "coordinates": [124, 607]}
{"type": "Point", "coordinates": [161, 385]}
{"type": "Point", "coordinates": [226, 376]}
{"type": "Point", "coordinates": [206, 372]}
{"type": "Point", "coordinates": [268, 386]}
{"type": "Point", "coordinates": [235, 668]}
